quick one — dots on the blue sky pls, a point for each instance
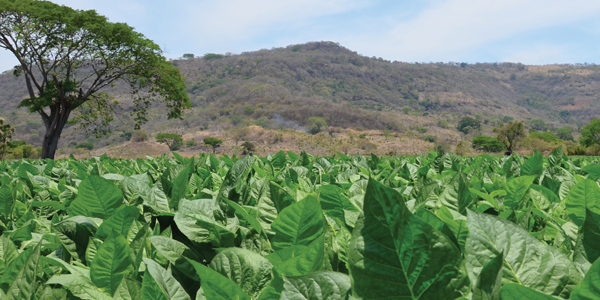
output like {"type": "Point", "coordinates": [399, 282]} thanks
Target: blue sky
{"type": "Point", "coordinates": [527, 31]}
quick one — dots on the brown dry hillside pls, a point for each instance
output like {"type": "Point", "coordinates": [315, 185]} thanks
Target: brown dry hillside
{"type": "Point", "coordinates": [281, 88]}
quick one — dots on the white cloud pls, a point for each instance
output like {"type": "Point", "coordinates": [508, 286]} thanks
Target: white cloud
{"type": "Point", "coordinates": [449, 28]}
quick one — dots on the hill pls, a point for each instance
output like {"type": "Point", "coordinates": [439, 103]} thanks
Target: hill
{"type": "Point", "coordinates": [283, 87]}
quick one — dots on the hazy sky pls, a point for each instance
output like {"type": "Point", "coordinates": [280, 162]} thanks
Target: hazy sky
{"type": "Point", "coordinates": [527, 31]}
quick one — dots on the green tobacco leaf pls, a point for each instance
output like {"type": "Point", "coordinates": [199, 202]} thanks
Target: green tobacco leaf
{"type": "Point", "coordinates": [74, 237]}
{"type": "Point", "coordinates": [582, 195]}
{"type": "Point", "coordinates": [129, 289]}
{"type": "Point", "coordinates": [180, 184]}
{"type": "Point", "coordinates": [175, 252]}
{"type": "Point", "coordinates": [151, 290]}
{"type": "Point", "coordinates": [111, 263]}
{"type": "Point", "coordinates": [533, 166]}
{"type": "Point", "coordinates": [590, 236]}
{"type": "Point", "coordinates": [299, 260]}
{"type": "Point", "coordinates": [120, 221]}
{"type": "Point", "coordinates": [243, 214]}
{"type": "Point", "coordinates": [6, 201]}
{"type": "Point", "coordinates": [25, 283]}
{"type": "Point", "coordinates": [593, 170]}
{"type": "Point", "coordinates": [438, 224]}
{"type": "Point", "coordinates": [516, 190]}
{"type": "Point", "coordinates": [456, 195]}
{"type": "Point", "coordinates": [298, 224]}
{"type": "Point", "coordinates": [249, 270]}
{"type": "Point", "coordinates": [527, 260]}
{"type": "Point", "coordinates": [515, 291]}
{"type": "Point", "coordinates": [218, 235]}
{"type": "Point", "coordinates": [97, 198]}
{"type": "Point", "coordinates": [321, 285]}
{"type": "Point", "coordinates": [217, 286]}
{"type": "Point", "coordinates": [489, 281]}
{"type": "Point", "coordinates": [395, 255]}
{"type": "Point", "coordinates": [167, 285]}
{"type": "Point", "coordinates": [589, 288]}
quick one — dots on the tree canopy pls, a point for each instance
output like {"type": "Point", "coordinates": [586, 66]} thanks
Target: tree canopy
{"type": "Point", "coordinates": [214, 143]}
{"type": "Point", "coordinates": [487, 144]}
{"type": "Point", "coordinates": [467, 124]}
{"type": "Point", "coordinates": [510, 134]}
{"type": "Point", "coordinates": [69, 57]}
{"type": "Point", "coordinates": [173, 140]}
{"type": "Point", "coordinates": [590, 134]}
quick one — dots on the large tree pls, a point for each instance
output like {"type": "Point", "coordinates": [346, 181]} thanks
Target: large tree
{"type": "Point", "coordinates": [510, 134]}
{"type": "Point", "coordinates": [71, 58]}
{"type": "Point", "coordinates": [590, 134]}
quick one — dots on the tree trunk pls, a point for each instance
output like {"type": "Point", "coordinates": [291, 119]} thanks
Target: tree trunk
{"type": "Point", "coordinates": [55, 123]}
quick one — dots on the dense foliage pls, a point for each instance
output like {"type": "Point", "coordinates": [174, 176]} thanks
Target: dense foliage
{"type": "Point", "coordinates": [69, 58]}
{"type": "Point", "coordinates": [467, 123]}
{"type": "Point", "coordinates": [487, 144]}
{"type": "Point", "coordinates": [301, 227]}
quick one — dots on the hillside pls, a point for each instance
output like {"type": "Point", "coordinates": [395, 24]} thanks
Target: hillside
{"type": "Point", "coordinates": [282, 87]}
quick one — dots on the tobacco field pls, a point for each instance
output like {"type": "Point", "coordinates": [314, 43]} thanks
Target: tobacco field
{"type": "Point", "coordinates": [291, 226]}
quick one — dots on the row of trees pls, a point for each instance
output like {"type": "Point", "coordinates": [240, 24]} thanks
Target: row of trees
{"type": "Point", "coordinates": [509, 135]}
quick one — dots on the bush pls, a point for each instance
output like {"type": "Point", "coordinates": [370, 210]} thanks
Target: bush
{"type": "Point", "coordinates": [430, 138]}
{"type": "Point", "coordinates": [565, 133]}
{"type": "Point", "coordinates": [538, 124]}
{"type": "Point", "coordinates": [443, 124]}
{"type": "Point", "coordinates": [316, 124]}
{"type": "Point", "coordinates": [139, 136]}
{"type": "Point", "coordinates": [248, 147]}
{"type": "Point", "coordinates": [85, 145]}
{"type": "Point", "coordinates": [507, 119]}
{"type": "Point", "coordinates": [421, 129]}
{"type": "Point", "coordinates": [236, 120]}
{"type": "Point", "coordinates": [191, 143]}
{"type": "Point", "coordinates": [577, 150]}
{"type": "Point", "coordinates": [248, 110]}
{"type": "Point", "coordinates": [126, 135]}
{"type": "Point", "coordinates": [545, 136]}
{"type": "Point", "coordinates": [262, 123]}
{"type": "Point", "coordinates": [461, 148]}
{"type": "Point", "coordinates": [362, 136]}
{"type": "Point", "coordinates": [467, 124]}
{"type": "Point", "coordinates": [442, 147]}
{"type": "Point", "coordinates": [487, 144]}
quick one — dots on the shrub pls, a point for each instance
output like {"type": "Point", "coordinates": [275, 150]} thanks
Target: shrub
{"type": "Point", "coordinates": [545, 136]}
{"type": "Point", "coordinates": [538, 124]}
{"type": "Point", "coordinates": [442, 147]}
{"type": "Point", "coordinates": [248, 147]}
{"type": "Point", "coordinates": [577, 150]}
{"type": "Point", "coordinates": [565, 133]}
{"type": "Point", "coordinates": [126, 135]}
{"type": "Point", "coordinates": [262, 123]}
{"type": "Point", "coordinates": [248, 110]}
{"type": "Point", "coordinates": [236, 120]}
{"type": "Point", "coordinates": [191, 143]}
{"type": "Point", "coordinates": [507, 119]}
{"type": "Point", "coordinates": [443, 124]}
{"type": "Point", "coordinates": [362, 136]}
{"type": "Point", "coordinates": [430, 138]}
{"type": "Point", "coordinates": [316, 124]}
{"type": "Point", "coordinates": [85, 145]}
{"type": "Point", "coordinates": [421, 129]}
{"type": "Point", "coordinates": [487, 144]}
{"type": "Point", "coordinates": [467, 124]}
{"type": "Point", "coordinates": [139, 136]}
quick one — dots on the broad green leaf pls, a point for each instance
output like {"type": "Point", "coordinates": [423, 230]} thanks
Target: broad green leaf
{"type": "Point", "coordinates": [74, 237]}
{"type": "Point", "coordinates": [120, 221]}
{"type": "Point", "coordinates": [129, 289]}
{"type": "Point", "coordinates": [97, 198]}
{"type": "Point", "coordinates": [175, 252]}
{"type": "Point", "coordinates": [589, 288]}
{"type": "Point", "coordinates": [489, 281]}
{"type": "Point", "coordinates": [298, 224]}
{"type": "Point", "coordinates": [167, 285]}
{"type": "Point", "coordinates": [299, 260]}
{"type": "Point", "coordinates": [515, 291]}
{"type": "Point", "coordinates": [456, 195]}
{"type": "Point", "coordinates": [250, 271]}
{"type": "Point", "coordinates": [321, 285]}
{"type": "Point", "coordinates": [593, 170]}
{"type": "Point", "coordinates": [590, 236]}
{"type": "Point", "coordinates": [533, 166]}
{"type": "Point", "coordinates": [217, 286]}
{"type": "Point", "coordinates": [218, 235]}
{"type": "Point", "coordinates": [25, 283]}
{"type": "Point", "coordinates": [111, 263]}
{"type": "Point", "coordinates": [527, 261]}
{"type": "Point", "coordinates": [582, 195]}
{"type": "Point", "coordinates": [6, 201]}
{"type": "Point", "coordinates": [180, 184]}
{"type": "Point", "coordinates": [14, 268]}
{"type": "Point", "coordinates": [395, 255]}
{"type": "Point", "coordinates": [242, 213]}
{"type": "Point", "coordinates": [516, 190]}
